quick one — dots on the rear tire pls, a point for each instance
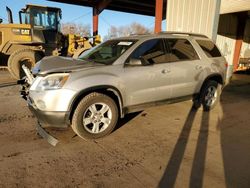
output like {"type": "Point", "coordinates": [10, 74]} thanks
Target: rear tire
{"type": "Point", "coordinates": [95, 116]}
{"type": "Point", "coordinates": [24, 56]}
{"type": "Point", "coordinates": [210, 95]}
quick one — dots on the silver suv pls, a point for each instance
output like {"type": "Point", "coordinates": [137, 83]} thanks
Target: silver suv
{"type": "Point", "coordinates": [125, 75]}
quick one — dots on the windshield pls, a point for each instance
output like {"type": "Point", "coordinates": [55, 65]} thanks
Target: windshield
{"type": "Point", "coordinates": [107, 52]}
{"type": "Point", "coordinates": [44, 19]}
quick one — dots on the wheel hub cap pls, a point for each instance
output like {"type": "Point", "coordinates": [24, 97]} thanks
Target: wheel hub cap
{"type": "Point", "coordinates": [211, 96]}
{"type": "Point", "coordinates": [97, 118]}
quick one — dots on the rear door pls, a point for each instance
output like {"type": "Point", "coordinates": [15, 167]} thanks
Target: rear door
{"type": "Point", "coordinates": [186, 67]}
{"type": "Point", "coordinates": [214, 57]}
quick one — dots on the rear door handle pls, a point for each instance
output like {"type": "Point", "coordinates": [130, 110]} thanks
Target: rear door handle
{"type": "Point", "coordinates": [198, 67]}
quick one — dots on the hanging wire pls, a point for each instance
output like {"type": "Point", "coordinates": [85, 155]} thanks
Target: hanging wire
{"type": "Point", "coordinates": [77, 18]}
{"type": "Point", "coordinates": [150, 25]}
{"type": "Point", "coordinates": [102, 18]}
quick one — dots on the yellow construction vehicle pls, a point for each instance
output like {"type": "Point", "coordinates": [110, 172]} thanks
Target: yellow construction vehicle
{"type": "Point", "coordinates": [37, 35]}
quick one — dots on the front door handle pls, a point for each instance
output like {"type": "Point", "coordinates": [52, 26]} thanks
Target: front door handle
{"type": "Point", "coordinates": [164, 71]}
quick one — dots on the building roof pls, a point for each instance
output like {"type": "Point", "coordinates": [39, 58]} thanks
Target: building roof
{"type": "Point", "coordinates": [147, 7]}
{"type": "Point", "coordinates": [143, 7]}
{"type": "Point", "coordinates": [230, 6]}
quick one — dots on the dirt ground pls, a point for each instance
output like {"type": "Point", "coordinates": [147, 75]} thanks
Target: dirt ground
{"type": "Point", "coordinates": [165, 146]}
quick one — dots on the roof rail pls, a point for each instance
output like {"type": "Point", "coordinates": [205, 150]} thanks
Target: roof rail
{"type": "Point", "coordinates": [183, 33]}
{"type": "Point", "coordinates": [136, 34]}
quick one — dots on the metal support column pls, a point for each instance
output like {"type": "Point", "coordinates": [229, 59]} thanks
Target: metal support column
{"type": "Point", "coordinates": [242, 18]}
{"type": "Point", "coordinates": [158, 15]}
{"type": "Point", "coordinates": [95, 21]}
{"type": "Point", "coordinates": [97, 9]}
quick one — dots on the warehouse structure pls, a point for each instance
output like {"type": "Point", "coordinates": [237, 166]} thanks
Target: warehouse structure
{"type": "Point", "coordinates": [225, 21]}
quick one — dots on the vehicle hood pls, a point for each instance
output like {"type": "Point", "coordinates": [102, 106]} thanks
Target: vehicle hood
{"type": "Point", "coordinates": [62, 64]}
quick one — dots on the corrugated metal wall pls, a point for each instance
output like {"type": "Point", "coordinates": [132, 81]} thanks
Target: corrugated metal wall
{"type": "Point", "coordinates": [198, 16]}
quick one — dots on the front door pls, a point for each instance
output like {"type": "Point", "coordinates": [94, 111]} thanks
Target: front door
{"type": "Point", "coordinates": [147, 74]}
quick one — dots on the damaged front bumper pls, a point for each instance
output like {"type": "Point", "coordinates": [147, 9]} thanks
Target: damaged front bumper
{"type": "Point", "coordinates": [45, 118]}
{"type": "Point", "coordinates": [50, 118]}
{"type": "Point", "coordinates": [50, 139]}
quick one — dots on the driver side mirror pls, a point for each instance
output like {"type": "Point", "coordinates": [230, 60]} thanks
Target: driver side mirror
{"type": "Point", "coordinates": [138, 62]}
{"type": "Point", "coordinates": [1, 20]}
{"type": "Point", "coordinates": [134, 62]}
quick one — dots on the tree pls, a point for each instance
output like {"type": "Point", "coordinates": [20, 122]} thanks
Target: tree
{"type": "Point", "coordinates": [73, 28]}
{"type": "Point", "coordinates": [134, 28]}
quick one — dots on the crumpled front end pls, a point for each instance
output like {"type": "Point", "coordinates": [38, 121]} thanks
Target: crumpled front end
{"type": "Point", "coordinates": [47, 99]}
{"type": "Point", "coordinates": [51, 107]}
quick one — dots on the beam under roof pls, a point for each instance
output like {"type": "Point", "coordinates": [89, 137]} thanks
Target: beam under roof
{"type": "Point", "coordinates": [143, 7]}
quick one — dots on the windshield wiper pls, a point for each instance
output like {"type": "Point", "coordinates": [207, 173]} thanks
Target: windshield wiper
{"type": "Point", "coordinates": [92, 61]}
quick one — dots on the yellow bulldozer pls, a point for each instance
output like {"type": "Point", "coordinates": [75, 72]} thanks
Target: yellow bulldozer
{"type": "Point", "coordinates": [37, 35]}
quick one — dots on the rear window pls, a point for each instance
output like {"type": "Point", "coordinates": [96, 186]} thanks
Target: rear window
{"type": "Point", "coordinates": [181, 50]}
{"type": "Point", "coordinates": [209, 48]}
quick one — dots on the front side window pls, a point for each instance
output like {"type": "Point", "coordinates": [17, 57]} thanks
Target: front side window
{"type": "Point", "coordinates": [151, 52]}
{"type": "Point", "coordinates": [209, 48]}
{"type": "Point", "coordinates": [181, 50]}
{"type": "Point", "coordinates": [107, 52]}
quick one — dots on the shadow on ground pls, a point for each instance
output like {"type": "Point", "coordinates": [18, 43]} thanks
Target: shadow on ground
{"type": "Point", "coordinates": [197, 172]}
{"type": "Point", "coordinates": [2, 85]}
{"type": "Point", "coordinates": [126, 119]}
{"type": "Point", "coordinates": [234, 137]}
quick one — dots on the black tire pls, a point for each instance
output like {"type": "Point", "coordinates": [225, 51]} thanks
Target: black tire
{"type": "Point", "coordinates": [83, 111]}
{"type": "Point", "coordinates": [24, 56]}
{"type": "Point", "coordinates": [210, 94]}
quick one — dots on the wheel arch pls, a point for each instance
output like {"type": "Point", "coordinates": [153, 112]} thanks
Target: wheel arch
{"type": "Point", "coordinates": [108, 90]}
{"type": "Point", "coordinates": [216, 77]}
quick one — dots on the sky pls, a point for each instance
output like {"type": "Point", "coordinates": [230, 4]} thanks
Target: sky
{"type": "Point", "coordinates": [80, 14]}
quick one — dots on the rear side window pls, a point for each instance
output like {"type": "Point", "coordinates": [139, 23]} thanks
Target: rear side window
{"type": "Point", "coordinates": [180, 50]}
{"type": "Point", "coordinates": [209, 48]}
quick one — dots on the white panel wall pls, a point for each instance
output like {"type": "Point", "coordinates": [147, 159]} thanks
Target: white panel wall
{"type": "Point", "coordinates": [197, 16]}
{"type": "Point", "coordinates": [226, 46]}
{"type": "Point", "coordinates": [245, 49]}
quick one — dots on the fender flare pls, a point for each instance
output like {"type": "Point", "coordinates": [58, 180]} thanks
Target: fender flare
{"type": "Point", "coordinates": [100, 88]}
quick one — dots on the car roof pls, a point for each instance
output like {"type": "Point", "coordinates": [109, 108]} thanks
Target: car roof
{"type": "Point", "coordinates": [163, 34]}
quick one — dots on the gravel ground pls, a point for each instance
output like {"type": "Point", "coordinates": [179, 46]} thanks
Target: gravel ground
{"type": "Point", "coordinates": [165, 146]}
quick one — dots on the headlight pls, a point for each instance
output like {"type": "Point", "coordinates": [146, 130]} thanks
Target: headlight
{"type": "Point", "coordinates": [50, 82]}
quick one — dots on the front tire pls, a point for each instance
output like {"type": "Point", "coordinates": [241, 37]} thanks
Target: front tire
{"type": "Point", "coordinates": [95, 116]}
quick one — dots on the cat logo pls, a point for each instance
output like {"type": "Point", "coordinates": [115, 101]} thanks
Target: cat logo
{"type": "Point", "coordinates": [25, 32]}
